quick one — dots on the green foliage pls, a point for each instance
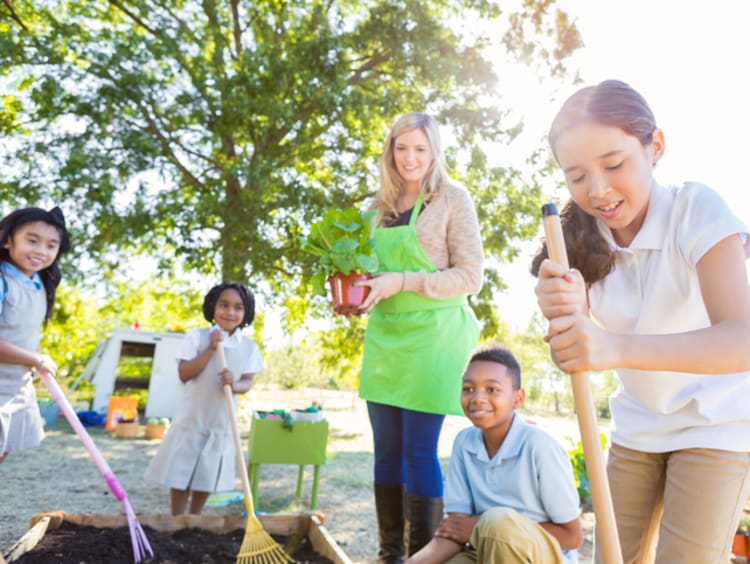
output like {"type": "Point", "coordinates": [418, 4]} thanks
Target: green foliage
{"type": "Point", "coordinates": [343, 240]}
{"type": "Point", "coordinates": [603, 385]}
{"type": "Point", "coordinates": [508, 206]}
{"type": "Point", "coordinates": [292, 367]}
{"type": "Point", "coordinates": [71, 336]}
{"type": "Point", "coordinates": [134, 367]}
{"type": "Point", "coordinates": [341, 351]}
{"type": "Point", "coordinates": [210, 134]}
{"type": "Point", "coordinates": [83, 393]}
{"type": "Point", "coordinates": [163, 303]}
{"type": "Point", "coordinates": [548, 390]}
{"type": "Point", "coordinates": [325, 359]}
{"type": "Point", "coordinates": [581, 476]}
{"type": "Point", "coordinates": [81, 320]}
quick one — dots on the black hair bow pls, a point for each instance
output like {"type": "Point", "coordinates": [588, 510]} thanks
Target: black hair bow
{"type": "Point", "coordinates": [57, 216]}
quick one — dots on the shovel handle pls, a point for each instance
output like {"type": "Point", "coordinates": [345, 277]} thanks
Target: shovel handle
{"type": "Point", "coordinates": [601, 497]}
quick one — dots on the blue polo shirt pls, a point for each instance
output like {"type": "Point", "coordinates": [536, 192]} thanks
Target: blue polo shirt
{"type": "Point", "coordinates": [530, 473]}
{"type": "Point", "coordinates": [7, 269]}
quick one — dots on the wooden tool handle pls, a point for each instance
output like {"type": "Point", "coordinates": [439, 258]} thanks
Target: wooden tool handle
{"type": "Point", "coordinates": [606, 528]}
{"type": "Point", "coordinates": [242, 467]}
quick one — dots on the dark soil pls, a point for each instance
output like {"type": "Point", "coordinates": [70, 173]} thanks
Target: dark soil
{"type": "Point", "coordinates": [78, 544]}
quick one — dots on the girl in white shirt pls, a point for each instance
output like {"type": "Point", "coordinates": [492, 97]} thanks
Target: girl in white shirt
{"type": "Point", "coordinates": [197, 455]}
{"type": "Point", "coordinates": [657, 291]}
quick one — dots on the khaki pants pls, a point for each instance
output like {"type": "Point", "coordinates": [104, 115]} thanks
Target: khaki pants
{"type": "Point", "coordinates": [679, 507]}
{"type": "Point", "coordinates": [503, 536]}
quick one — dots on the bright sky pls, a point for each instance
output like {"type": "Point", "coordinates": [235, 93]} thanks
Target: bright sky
{"type": "Point", "coordinates": [690, 61]}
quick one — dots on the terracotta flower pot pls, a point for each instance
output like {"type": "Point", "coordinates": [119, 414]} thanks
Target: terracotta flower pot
{"type": "Point", "coordinates": [740, 545]}
{"type": "Point", "coordinates": [346, 297]}
{"type": "Point", "coordinates": [156, 430]}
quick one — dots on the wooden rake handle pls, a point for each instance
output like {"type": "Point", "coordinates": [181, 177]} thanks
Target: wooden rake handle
{"type": "Point", "coordinates": [606, 529]}
{"type": "Point", "coordinates": [242, 468]}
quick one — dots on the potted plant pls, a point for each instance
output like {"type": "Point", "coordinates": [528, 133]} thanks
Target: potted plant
{"type": "Point", "coordinates": [741, 542]}
{"type": "Point", "coordinates": [343, 241]}
{"type": "Point", "coordinates": [128, 428]}
{"type": "Point", "coordinates": [156, 427]}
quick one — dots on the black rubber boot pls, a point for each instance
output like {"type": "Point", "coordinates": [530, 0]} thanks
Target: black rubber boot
{"type": "Point", "coordinates": [389, 505]}
{"type": "Point", "coordinates": [423, 515]}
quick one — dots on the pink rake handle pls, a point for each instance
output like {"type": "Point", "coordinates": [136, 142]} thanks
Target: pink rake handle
{"type": "Point", "coordinates": [140, 543]}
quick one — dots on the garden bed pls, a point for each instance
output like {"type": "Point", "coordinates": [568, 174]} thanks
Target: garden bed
{"type": "Point", "coordinates": [63, 538]}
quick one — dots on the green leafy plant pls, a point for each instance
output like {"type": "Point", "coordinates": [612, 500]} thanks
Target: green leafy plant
{"type": "Point", "coordinates": [158, 421]}
{"type": "Point", "coordinates": [580, 474]}
{"type": "Point", "coordinates": [343, 241]}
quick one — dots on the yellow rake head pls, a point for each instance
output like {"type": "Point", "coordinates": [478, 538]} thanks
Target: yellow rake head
{"type": "Point", "coordinates": [258, 547]}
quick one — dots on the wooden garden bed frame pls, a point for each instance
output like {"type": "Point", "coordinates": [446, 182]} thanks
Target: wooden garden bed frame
{"type": "Point", "coordinates": [306, 524]}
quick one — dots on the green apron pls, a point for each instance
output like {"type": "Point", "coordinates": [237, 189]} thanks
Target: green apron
{"type": "Point", "coordinates": [416, 348]}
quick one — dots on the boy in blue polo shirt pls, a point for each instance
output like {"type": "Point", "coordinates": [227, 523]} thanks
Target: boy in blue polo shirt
{"type": "Point", "coordinates": [509, 493]}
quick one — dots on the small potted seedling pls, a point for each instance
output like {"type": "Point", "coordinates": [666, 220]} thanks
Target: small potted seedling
{"type": "Point", "coordinates": [156, 427]}
{"type": "Point", "coordinates": [127, 428]}
{"type": "Point", "coordinates": [343, 240]}
{"type": "Point", "coordinates": [741, 542]}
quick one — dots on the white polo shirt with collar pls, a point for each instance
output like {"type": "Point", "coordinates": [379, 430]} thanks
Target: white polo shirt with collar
{"type": "Point", "coordinates": [654, 289]}
{"type": "Point", "coordinates": [190, 348]}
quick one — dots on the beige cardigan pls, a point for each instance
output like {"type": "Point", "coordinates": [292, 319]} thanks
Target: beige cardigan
{"type": "Point", "coordinates": [448, 231]}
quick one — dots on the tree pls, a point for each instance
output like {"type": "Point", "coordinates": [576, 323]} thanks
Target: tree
{"type": "Point", "coordinates": [310, 362]}
{"type": "Point", "coordinates": [209, 134]}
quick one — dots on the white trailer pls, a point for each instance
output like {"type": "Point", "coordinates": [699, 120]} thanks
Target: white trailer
{"type": "Point", "coordinates": [164, 387]}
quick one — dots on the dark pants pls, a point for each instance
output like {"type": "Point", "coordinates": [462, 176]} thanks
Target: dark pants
{"type": "Point", "coordinates": [406, 444]}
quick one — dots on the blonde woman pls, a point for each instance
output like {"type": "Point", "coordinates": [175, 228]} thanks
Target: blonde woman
{"type": "Point", "coordinates": [420, 330]}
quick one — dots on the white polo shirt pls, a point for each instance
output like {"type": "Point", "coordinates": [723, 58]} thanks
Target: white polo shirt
{"type": "Point", "coordinates": [654, 289]}
{"type": "Point", "coordinates": [190, 348]}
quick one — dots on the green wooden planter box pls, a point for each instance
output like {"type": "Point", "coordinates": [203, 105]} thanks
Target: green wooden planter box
{"type": "Point", "coordinates": [269, 442]}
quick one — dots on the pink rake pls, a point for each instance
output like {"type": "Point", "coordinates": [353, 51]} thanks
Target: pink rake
{"type": "Point", "coordinates": [141, 547]}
